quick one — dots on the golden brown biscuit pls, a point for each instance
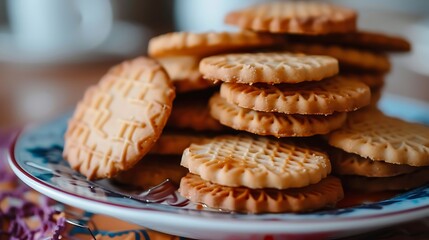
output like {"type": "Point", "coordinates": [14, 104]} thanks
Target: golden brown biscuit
{"type": "Point", "coordinates": [272, 68]}
{"type": "Point", "coordinates": [173, 143]}
{"type": "Point", "coordinates": [274, 124]}
{"type": "Point", "coordinates": [373, 135]}
{"type": "Point", "coordinates": [360, 39]}
{"type": "Point", "coordinates": [348, 58]}
{"type": "Point", "coordinates": [324, 194]}
{"type": "Point", "coordinates": [294, 17]}
{"type": "Point", "coordinates": [191, 112]}
{"type": "Point", "coordinates": [378, 184]}
{"type": "Point", "coordinates": [208, 43]}
{"type": "Point", "coordinates": [153, 170]}
{"type": "Point", "coordinates": [256, 162]}
{"type": "Point", "coordinates": [373, 80]}
{"type": "Point", "coordinates": [183, 71]}
{"type": "Point", "coordinates": [120, 119]}
{"type": "Point", "coordinates": [344, 163]}
{"type": "Point", "coordinates": [337, 94]}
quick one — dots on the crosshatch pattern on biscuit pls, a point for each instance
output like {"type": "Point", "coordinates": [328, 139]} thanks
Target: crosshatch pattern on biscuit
{"type": "Point", "coordinates": [256, 162]}
{"type": "Point", "coordinates": [118, 120]}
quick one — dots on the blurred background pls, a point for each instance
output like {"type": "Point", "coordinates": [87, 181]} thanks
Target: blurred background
{"type": "Point", "coordinates": [52, 50]}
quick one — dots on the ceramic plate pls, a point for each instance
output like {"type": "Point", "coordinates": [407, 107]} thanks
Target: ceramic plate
{"type": "Point", "coordinates": [35, 157]}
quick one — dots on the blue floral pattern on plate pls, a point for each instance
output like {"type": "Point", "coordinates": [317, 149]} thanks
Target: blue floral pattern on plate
{"type": "Point", "coordinates": [38, 151]}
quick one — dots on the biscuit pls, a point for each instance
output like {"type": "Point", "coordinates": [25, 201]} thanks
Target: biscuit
{"type": "Point", "coordinates": [348, 58]}
{"type": "Point", "coordinates": [171, 143]}
{"type": "Point", "coordinates": [152, 170]}
{"type": "Point", "coordinates": [378, 184]}
{"type": "Point", "coordinates": [183, 71]}
{"type": "Point", "coordinates": [376, 95]}
{"type": "Point", "coordinates": [337, 94]}
{"type": "Point", "coordinates": [192, 113]}
{"type": "Point", "coordinates": [272, 68]}
{"type": "Point", "coordinates": [294, 17]}
{"type": "Point", "coordinates": [274, 124]}
{"type": "Point", "coordinates": [371, 134]}
{"type": "Point", "coordinates": [373, 80]}
{"type": "Point", "coordinates": [344, 163]}
{"type": "Point", "coordinates": [256, 162]}
{"type": "Point", "coordinates": [208, 43]}
{"type": "Point", "coordinates": [360, 39]}
{"type": "Point", "coordinates": [324, 194]}
{"type": "Point", "coordinates": [120, 119]}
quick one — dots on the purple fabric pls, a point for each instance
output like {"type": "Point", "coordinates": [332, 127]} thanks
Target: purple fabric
{"type": "Point", "coordinates": [20, 208]}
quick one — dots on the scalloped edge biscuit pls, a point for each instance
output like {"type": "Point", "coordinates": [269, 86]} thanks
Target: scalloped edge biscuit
{"type": "Point", "coordinates": [294, 17]}
{"type": "Point", "coordinates": [377, 184]}
{"type": "Point", "coordinates": [171, 143]}
{"type": "Point", "coordinates": [192, 113]}
{"type": "Point", "coordinates": [344, 163]}
{"type": "Point", "coordinates": [371, 134]}
{"type": "Point", "coordinates": [153, 170]}
{"type": "Point", "coordinates": [347, 57]}
{"type": "Point", "coordinates": [360, 39]}
{"type": "Point", "coordinates": [337, 94]}
{"type": "Point", "coordinates": [208, 43]}
{"type": "Point", "coordinates": [272, 68]}
{"type": "Point", "coordinates": [274, 124]}
{"type": "Point", "coordinates": [256, 162]}
{"type": "Point", "coordinates": [324, 194]}
{"type": "Point", "coordinates": [183, 71]}
{"type": "Point", "coordinates": [373, 80]}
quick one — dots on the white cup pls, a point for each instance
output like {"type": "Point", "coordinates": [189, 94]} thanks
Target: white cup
{"type": "Point", "coordinates": [57, 27]}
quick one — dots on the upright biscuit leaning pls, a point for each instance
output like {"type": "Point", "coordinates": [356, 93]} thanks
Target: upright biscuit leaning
{"type": "Point", "coordinates": [119, 119]}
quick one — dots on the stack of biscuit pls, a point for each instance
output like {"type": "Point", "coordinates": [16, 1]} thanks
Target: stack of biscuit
{"type": "Point", "coordinates": [180, 53]}
{"type": "Point", "coordinates": [377, 153]}
{"type": "Point", "coordinates": [257, 175]}
{"type": "Point", "coordinates": [234, 80]}
{"type": "Point", "coordinates": [362, 54]}
{"type": "Point", "coordinates": [189, 122]}
{"type": "Point", "coordinates": [282, 94]}
{"type": "Point", "coordinates": [272, 94]}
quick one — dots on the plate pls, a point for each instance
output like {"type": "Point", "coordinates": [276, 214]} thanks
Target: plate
{"type": "Point", "coordinates": [35, 157]}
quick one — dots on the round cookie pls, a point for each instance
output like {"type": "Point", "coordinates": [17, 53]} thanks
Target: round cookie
{"type": "Point", "coordinates": [376, 95]}
{"type": "Point", "coordinates": [274, 124]}
{"type": "Point", "coordinates": [326, 193]}
{"type": "Point", "coordinates": [272, 68]}
{"type": "Point", "coordinates": [337, 94]}
{"type": "Point", "coordinates": [120, 119]}
{"type": "Point", "coordinates": [152, 170]}
{"type": "Point", "coordinates": [344, 163]}
{"type": "Point", "coordinates": [348, 58]}
{"type": "Point", "coordinates": [256, 162]}
{"type": "Point", "coordinates": [183, 71]}
{"type": "Point", "coordinates": [360, 39]}
{"type": "Point", "coordinates": [294, 17]}
{"type": "Point", "coordinates": [170, 143]}
{"type": "Point", "coordinates": [381, 138]}
{"type": "Point", "coordinates": [378, 184]}
{"type": "Point", "coordinates": [373, 80]}
{"type": "Point", "coordinates": [208, 43]}
{"type": "Point", "coordinates": [192, 113]}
